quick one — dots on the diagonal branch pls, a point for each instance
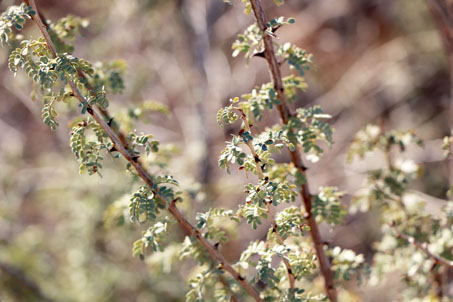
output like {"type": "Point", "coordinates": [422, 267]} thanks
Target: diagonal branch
{"type": "Point", "coordinates": [215, 255]}
{"type": "Point", "coordinates": [41, 21]}
{"type": "Point", "coordinates": [285, 114]}
{"type": "Point", "coordinates": [423, 247]}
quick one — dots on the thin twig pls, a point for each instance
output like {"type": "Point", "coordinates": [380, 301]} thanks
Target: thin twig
{"type": "Point", "coordinates": [259, 170]}
{"type": "Point", "coordinates": [423, 247]}
{"type": "Point", "coordinates": [283, 109]}
{"type": "Point", "coordinates": [143, 174]}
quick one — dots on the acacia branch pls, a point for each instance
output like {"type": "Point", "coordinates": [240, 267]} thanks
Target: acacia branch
{"type": "Point", "coordinates": [43, 24]}
{"type": "Point", "coordinates": [259, 170]}
{"type": "Point", "coordinates": [215, 255]}
{"type": "Point", "coordinates": [423, 247]}
{"type": "Point", "coordinates": [285, 114]}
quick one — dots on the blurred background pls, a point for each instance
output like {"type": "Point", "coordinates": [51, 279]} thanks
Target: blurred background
{"type": "Point", "coordinates": [375, 61]}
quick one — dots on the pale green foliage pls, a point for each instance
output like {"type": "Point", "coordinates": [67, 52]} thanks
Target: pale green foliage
{"type": "Point", "coordinates": [264, 270]}
{"type": "Point", "coordinates": [206, 287]}
{"type": "Point", "coordinates": [295, 295]}
{"type": "Point", "coordinates": [109, 76]}
{"type": "Point", "coordinates": [152, 238]}
{"type": "Point", "coordinates": [192, 248]}
{"type": "Point", "coordinates": [269, 192]}
{"type": "Point", "coordinates": [232, 153]}
{"type": "Point", "coordinates": [292, 84]}
{"type": "Point", "coordinates": [346, 263]}
{"type": "Point", "coordinates": [49, 113]}
{"type": "Point", "coordinates": [311, 130]}
{"type": "Point", "coordinates": [290, 223]}
{"type": "Point", "coordinates": [275, 24]}
{"type": "Point", "coordinates": [262, 261]}
{"type": "Point", "coordinates": [401, 212]}
{"type": "Point", "coordinates": [297, 58]}
{"type": "Point", "coordinates": [196, 285]}
{"type": "Point", "coordinates": [64, 32]}
{"type": "Point", "coordinates": [86, 150]}
{"type": "Point", "coordinates": [265, 97]}
{"type": "Point", "coordinates": [14, 18]}
{"type": "Point", "coordinates": [307, 129]}
{"type": "Point", "coordinates": [33, 57]}
{"type": "Point", "coordinates": [253, 213]}
{"type": "Point", "coordinates": [254, 210]}
{"type": "Point", "coordinates": [249, 42]}
{"type": "Point", "coordinates": [302, 262]}
{"type": "Point", "coordinates": [327, 205]}
{"type": "Point", "coordinates": [211, 222]}
{"type": "Point", "coordinates": [371, 138]}
{"type": "Point", "coordinates": [52, 75]}
{"type": "Point", "coordinates": [272, 140]}
{"type": "Point", "coordinates": [260, 99]}
{"type": "Point", "coordinates": [282, 172]}
{"type": "Point", "coordinates": [385, 187]}
{"type": "Point", "coordinates": [226, 115]}
{"type": "Point", "coordinates": [145, 205]}
{"type": "Point", "coordinates": [144, 141]}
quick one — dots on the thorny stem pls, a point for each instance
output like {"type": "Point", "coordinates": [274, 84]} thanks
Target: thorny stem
{"type": "Point", "coordinates": [144, 175]}
{"type": "Point", "coordinates": [52, 48]}
{"type": "Point", "coordinates": [259, 171]}
{"type": "Point", "coordinates": [283, 109]}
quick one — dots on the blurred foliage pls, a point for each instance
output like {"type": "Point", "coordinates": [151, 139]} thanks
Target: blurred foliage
{"type": "Point", "coordinates": [69, 238]}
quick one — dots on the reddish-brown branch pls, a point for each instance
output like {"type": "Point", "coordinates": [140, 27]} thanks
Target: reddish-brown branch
{"type": "Point", "coordinates": [143, 174]}
{"type": "Point", "coordinates": [283, 109]}
{"type": "Point", "coordinates": [43, 23]}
